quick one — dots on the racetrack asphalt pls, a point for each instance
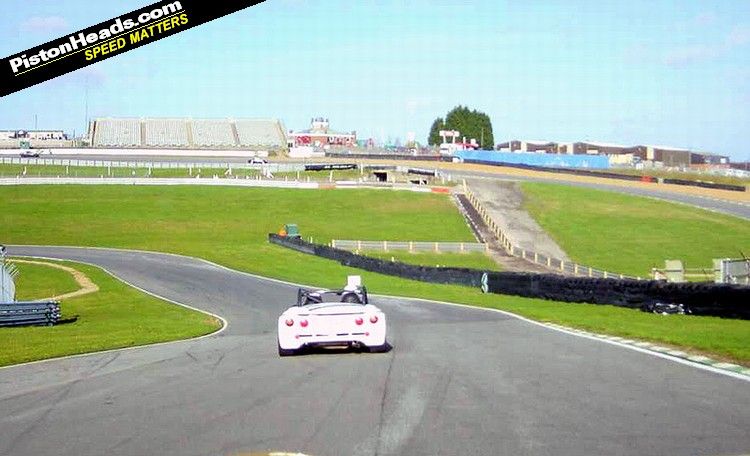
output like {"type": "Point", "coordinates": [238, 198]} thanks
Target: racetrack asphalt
{"type": "Point", "coordinates": [457, 381]}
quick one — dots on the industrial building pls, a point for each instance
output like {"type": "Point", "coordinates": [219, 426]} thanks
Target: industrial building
{"type": "Point", "coordinates": [619, 153]}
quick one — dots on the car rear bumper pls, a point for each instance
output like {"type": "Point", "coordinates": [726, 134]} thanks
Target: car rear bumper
{"type": "Point", "coordinates": [294, 341]}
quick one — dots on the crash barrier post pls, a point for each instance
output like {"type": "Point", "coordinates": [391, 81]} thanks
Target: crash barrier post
{"type": "Point", "coordinates": [410, 246]}
{"type": "Point", "coordinates": [721, 300]}
{"type": "Point", "coordinates": [534, 257]}
{"type": "Point", "coordinates": [29, 313]}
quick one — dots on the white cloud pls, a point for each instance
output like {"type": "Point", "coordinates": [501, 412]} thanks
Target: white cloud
{"type": "Point", "coordinates": [44, 24]}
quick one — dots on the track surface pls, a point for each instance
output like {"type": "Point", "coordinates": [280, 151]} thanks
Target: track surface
{"type": "Point", "coordinates": [458, 381]}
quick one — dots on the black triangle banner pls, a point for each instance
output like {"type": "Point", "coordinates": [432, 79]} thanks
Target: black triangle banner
{"type": "Point", "coordinates": [108, 39]}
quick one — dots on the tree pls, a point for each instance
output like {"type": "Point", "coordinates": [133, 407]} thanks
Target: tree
{"type": "Point", "coordinates": [434, 139]}
{"type": "Point", "coordinates": [469, 123]}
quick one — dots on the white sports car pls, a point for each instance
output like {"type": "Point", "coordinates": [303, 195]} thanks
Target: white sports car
{"type": "Point", "coordinates": [332, 318]}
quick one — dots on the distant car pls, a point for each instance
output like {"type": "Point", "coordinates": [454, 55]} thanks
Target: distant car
{"type": "Point", "coordinates": [257, 161]}
{"type": "Point", "coordinates": [29, 153]}
{"type": "Point", "coordinates": [332, 318]}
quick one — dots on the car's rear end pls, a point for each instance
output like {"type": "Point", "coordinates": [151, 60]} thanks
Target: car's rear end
{"type": "Point", "coordinates": [331, 325]}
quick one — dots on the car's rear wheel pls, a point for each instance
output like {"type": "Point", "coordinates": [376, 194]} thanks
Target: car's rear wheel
{"type": "Point", "coordinates": [379, 348]}
{"type": "Point", "coordinates": [286, 351]}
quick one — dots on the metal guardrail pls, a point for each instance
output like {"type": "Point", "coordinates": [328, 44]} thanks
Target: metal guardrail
{"type": "Point", "coordinates": [411, 246]}
{"type": "Point", "coordinates": [29, 313]}
{"type": "Point", "coordinates": [535, 257]}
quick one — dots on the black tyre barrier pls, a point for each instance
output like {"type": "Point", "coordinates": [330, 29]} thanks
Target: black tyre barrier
{"type": "Point", "coordinates": [456, 276]}
{"type": "Point", "coordinates": [720, 300]}
{"type": "Point", "coordinates": [734, 188]}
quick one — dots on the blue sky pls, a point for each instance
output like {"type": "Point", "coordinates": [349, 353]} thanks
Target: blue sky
{"type": "Point", "coordinates": [637, 72]}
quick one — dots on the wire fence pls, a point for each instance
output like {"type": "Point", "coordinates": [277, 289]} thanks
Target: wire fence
{"type": "Point", "coordinates": [8, 272]}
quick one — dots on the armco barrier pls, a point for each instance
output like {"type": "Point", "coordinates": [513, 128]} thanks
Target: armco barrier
{"type": "Point", "coordinates": [721, 300]}
{"type": "Point", "coordinates": [29, 313]}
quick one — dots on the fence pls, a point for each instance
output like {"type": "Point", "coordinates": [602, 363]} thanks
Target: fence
{"type": "Point", "coordinates": [551, 263]}
{"type": "Point", "coordinates": [139, 164]}
{"type": "Point", "coordinates": [458, 276]}
{"type": "Point", "coordinates": [721, 300]}
{"type": "Point", "coordinates": [29, 313]}
{"type": "Point", "coordinates": [411, 246]}
{"type": "Point", "coordinates": [8, 272]}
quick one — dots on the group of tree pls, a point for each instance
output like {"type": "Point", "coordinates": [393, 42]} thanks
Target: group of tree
{"type": "Point", "coordinates": [469, 123]}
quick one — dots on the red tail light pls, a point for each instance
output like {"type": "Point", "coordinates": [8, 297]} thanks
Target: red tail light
{"type": "Point", "coordinates": [303, 323]}
{"type": "Point", "coordinates": [289, 322]}
{"type": "Point", "coordinates": [359, 321]}
{"type": "Point", "coordinates": [374, 319]}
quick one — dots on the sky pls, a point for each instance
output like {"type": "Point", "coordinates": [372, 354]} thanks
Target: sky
{"type": "Point", "coordinates": [653, 72]}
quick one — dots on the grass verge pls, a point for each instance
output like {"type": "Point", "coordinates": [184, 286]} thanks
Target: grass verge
{"type": "Point", "coordinates": [629, 234]}
{"type": "Point", "coordinates": [116, 316]}
{"type": "Point", "coordinates": [229, 226]}
{"type": "Point", "coordinates": [38, 282]}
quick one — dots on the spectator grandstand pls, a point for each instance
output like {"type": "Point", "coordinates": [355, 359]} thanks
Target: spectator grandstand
{"type": "Point", "coordinates": [166, 133]}
{"type": "Point", "coordinates": [117, 132]}
{"type": "Point", "coordinates": [185, 133]}
{"type": "Point", "coordinates": [207, 133]}
{"type": "Point", "coordinates": [260, 133]}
